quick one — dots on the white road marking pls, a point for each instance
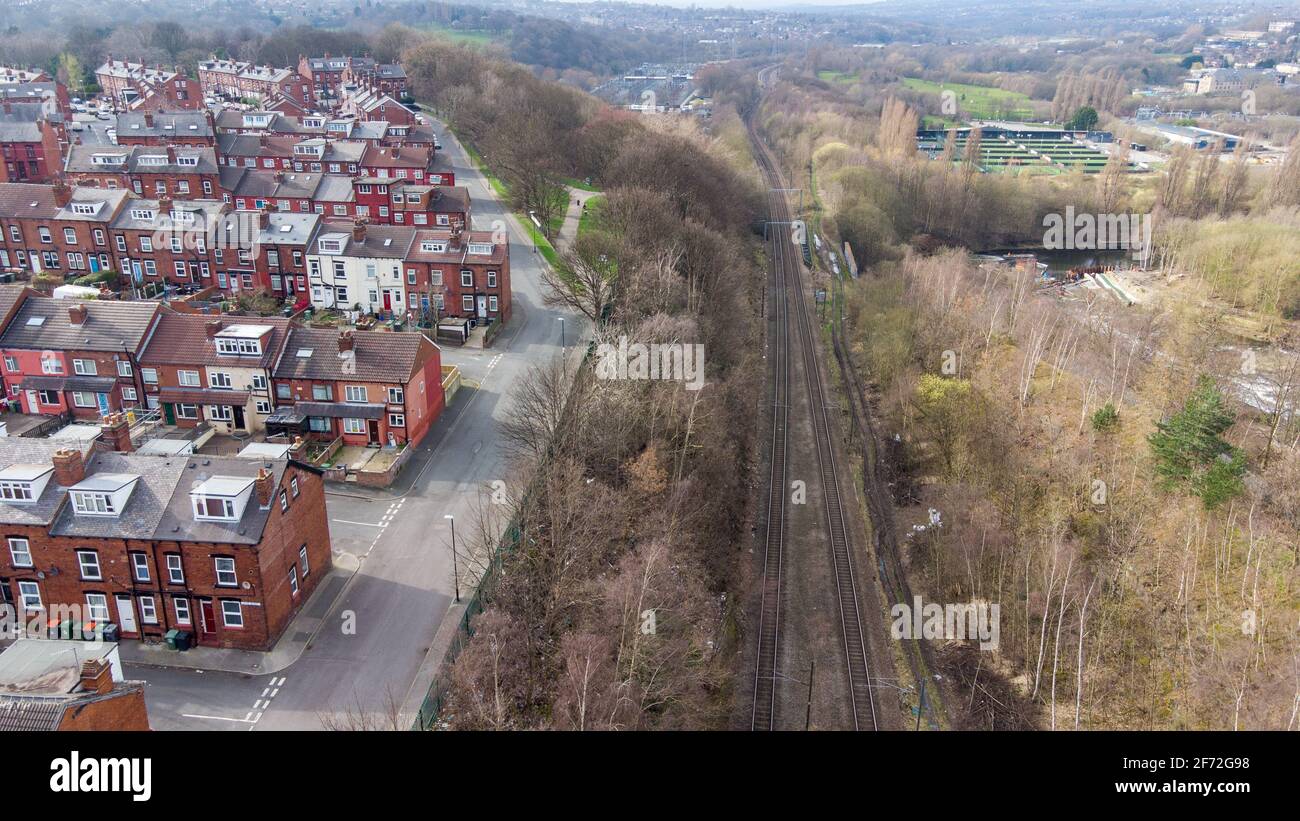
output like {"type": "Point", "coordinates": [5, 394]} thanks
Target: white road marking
{"type": "Point", "coordinates": [215, 718]}
{"type": "Point", "coordinates": [364, 524]}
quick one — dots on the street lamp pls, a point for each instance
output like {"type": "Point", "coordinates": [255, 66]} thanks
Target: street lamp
{"type": "Point", "coordinates": [562, 344]}
{"type": "Point", "coordinates": [455, 574]}
{"type": "Point", "coordinates": [537, 226]}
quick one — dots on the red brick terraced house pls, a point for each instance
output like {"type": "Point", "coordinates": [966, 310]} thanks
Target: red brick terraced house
{"type": "Point", "coordinates": [77, 357]}
{"type": "Point", "coordinates": [176, 242]}
{"type": "Point", "coordinates": [288, 191]}
{"type": "Point", "coordinates": [31, 143]}
{"type": "Point", "coordinates": [386, 201]}
{"type": "Point", "coordinates": [236, 79]}
{"type": "Point", "coordinates": [459, 274]}
{"type": "Point", "coordinates": [56, 228]}
{"type": "Point", "coordinates": [135, 86]}
{"type": "Point", "coordinates": [368, 387]}
{"type": "Point", "coordinates": [149, 171]}
{"type": "Point", "coordinates": [389, 78]}
{"type": "Point", "coordinates": [213, 369]}
{"type": "Point", "coordinates": [225, 548]}
{"type": "Point", "coordinates": [325, 75]}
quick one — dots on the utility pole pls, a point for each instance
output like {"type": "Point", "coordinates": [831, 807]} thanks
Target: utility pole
{"type": "Point", "coordinates": [455, 573]}
{"type": "Point", "coordinates": [920, 706]}
{"type": "Point", "coordinates": [807, 720]}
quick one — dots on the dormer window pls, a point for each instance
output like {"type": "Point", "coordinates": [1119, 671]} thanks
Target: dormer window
{"type": "Point", "coordinates": [141, 214]}
{"type": "Point", "coordinates": [187, 161]}
{"type": "Point", "coordinates": [85, 208]}
{"type": "Point", "coordinates": [480, 248]}
{"type": "Point", "coordinates": [104, 494]}
{"type": "Point", "coordinates": [23, 484]}
{"type": "Point", "coordinates": [435, 247]}
{"type": "Point", "coordinates": [221, 498]}
{"type": "Point", "coordinates": [213, 507]}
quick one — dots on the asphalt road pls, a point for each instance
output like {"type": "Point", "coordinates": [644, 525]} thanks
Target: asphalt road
{"type": "Point", "coordinates": [378, 631]}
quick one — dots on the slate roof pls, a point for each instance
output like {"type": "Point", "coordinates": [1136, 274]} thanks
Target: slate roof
{"type": "Point", "coordinates": [381, 241]}
{"type": "Point", "coordinates": [380, 356]}
{"type": "Point", "coordinates": [109, 325]}
{"type": "Point", "coordinates": [10, 297]}
{"type": "Point", "coordinates": [144, 508]}
{"type": "Point", "coordinates": [459, 254]}
{"type": "Point", "coordinates": [16, 450]}
{"type": "Point", "coordinates": [24, 199]}
{"type": "Point", "coordinates": [172, 124]}
{"type": "Point", "coordinates": [177, 521]}
{"type": "Point", "coordinates": [182, 339]}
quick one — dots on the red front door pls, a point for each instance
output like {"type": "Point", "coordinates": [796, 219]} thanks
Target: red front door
{"type": "Point", "coordinates": [207, 618]}
{"type": "Point", "coordinates": [388, 301]}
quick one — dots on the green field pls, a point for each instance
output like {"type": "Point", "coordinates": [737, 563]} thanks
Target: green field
{"type": "Point", "coordinates": [828, 76]}
{"type": "Point", "coordinates": [467, 37]}
{"type": "Point", "coordinates": [980, 102]}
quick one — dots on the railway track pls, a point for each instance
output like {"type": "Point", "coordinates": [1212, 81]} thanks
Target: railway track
{"type": "Point", "coordinates": [788, 302]}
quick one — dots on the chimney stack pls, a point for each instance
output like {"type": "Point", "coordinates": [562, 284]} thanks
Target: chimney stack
{"type": "Point", "coordinates": [264, 488]}
{"type": "Point", "coordinates": [347, 341]}
{"type": "Point", "coordinates": [264, 218]}
{"type": "Point", "coordinates": [211, 327]}
{"type": "Point", "coordinates": [171, 155]}
{"type": "Point", "coordinates": [148, 119]}
{"type": "Point", "coordinates": [165, 206]}
{"type": "Point", "coordinates": [69, 469]}
{"type": "Point", "coordinates": [359, 231]}
{"type": "Point", "coordinates": [62, 194]}
{"type": "Point", "coordinates": [117, 432]}
{"type": "Point", "coordinates": [296, 449]}
{"type": "Point", "coordinates": [77, 315]}
{"type": "Point", "coordinates": [97, 676]}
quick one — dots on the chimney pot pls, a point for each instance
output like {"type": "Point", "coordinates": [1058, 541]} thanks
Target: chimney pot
{"type": "Point", "coordinates": [117, 432]}
{"type": "Point", "coordinates": [69, 469]}
{"type": "Point", "coordinates": [97, 676]}
{"type": "Point", "coordinates": [264, 488]}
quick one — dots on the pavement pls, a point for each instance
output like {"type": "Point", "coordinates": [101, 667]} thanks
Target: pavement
{"type": "Point", "coordinates": [375, 637]}
{"type": "Point", "coordinates": [572, 217]}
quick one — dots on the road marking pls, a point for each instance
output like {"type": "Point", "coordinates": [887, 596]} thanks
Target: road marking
{"type": "Point", "coordinates": [365, 524]}
{"type": "Point", "coordinates": [216, 718]}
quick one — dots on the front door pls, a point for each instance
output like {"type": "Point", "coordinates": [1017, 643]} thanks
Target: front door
{"type": "Point", "coordinates": [33, 402]}
{"type": "Point", "coordinates": [207, 618]}
{"type": "Point", "coordinates": [94, 263]}
{"type": "Point", "coordinates": [388, 300]}
{"type": "Point", "coordinates": [482, 307]}
{"type": "Point", "coordinates": [169, 413]}
{"type": "Point", "coordinates": [239, 417]}
{"type": "Point", "coordinates": [125, 614]}
{"type": "Point", "coordinates": [102, 400]}
{"type": "Point", "coordinates": [374, 430]}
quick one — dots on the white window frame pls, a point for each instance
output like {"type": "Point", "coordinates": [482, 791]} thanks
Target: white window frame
{"type": "Point", "coordinates": [218, 562]}
{"type": "Point", "coordinates": [92, 565]}
{"type": "Point", "coordinates": [226, 613]}
{"type": "Point", "coordinates": [25, 550]}
{"type": "Point", "coordinates": [140, 566]}
{"type": "Point", "coordinates": [175, 570]}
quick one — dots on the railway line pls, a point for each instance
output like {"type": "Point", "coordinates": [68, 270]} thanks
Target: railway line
{"type": "Point", "coordinates": [791, 313]}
